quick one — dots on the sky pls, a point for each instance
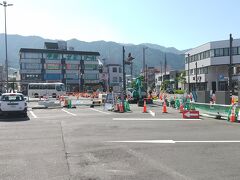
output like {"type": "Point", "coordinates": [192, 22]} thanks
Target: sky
{"type": "Point", "coordinates": [181, 24]}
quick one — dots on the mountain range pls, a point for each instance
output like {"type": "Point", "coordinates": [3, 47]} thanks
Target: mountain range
{"type": "Point", "coordinates": [111, 52]}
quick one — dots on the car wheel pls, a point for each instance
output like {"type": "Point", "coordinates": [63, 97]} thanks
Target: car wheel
{"type": "Point", "coordinates": [25, 115]}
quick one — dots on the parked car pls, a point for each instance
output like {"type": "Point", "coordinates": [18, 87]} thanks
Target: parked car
{"type": "Point", "coordinates": [170, 91]}
{"type": "Point", "coordinates": [13, 103]}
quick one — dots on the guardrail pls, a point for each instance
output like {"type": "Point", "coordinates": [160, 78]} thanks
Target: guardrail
{"type": "Point", "coordinates": [217, 110]}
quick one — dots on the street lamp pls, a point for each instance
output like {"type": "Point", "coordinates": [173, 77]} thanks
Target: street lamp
{"type": "Point", "coordinates": [128, 61]}
{"type": "Point", "coordinates": [4, 4]}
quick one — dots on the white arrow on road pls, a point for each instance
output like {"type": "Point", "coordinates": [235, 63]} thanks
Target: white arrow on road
{"type": "Point", "coordinates": [172, 141]}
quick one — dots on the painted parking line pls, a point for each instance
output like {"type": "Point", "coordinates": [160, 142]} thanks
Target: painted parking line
{"type": "Point", "coordinates": [154, 119]}
{"type": "Point", "coordinates": [172, 141]}
{"type": "Point", "coordinates": [32, 113]}
{"type": "Point", "coordinates": [99, 111]}
{"type": "Point", "coordinates": [69, 112]}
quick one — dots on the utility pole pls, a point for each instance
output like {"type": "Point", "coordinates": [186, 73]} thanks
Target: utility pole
{"type": "Point", "coordinates": [230, 66]}
{"type": "Point", "coordinates": [131, 71]}
{"type": "Point", "coordinates": [161, 71]}
{"type": "Point", "coordinates": [144, 70]}
{"type": "Point", "coordinates": [165, 64]}
{"type": "Point", "coordinates": [196, 77]}
{"type": "Point", "coordinates": [146, 76]}
{"type": "Point", "coordinates": [124, 78]}
{"type": "Point", "coordinates": [5, 5]}
{"type": "Point", "coordinates": [188, 73]}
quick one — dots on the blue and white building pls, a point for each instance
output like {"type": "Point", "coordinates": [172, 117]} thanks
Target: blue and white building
{"type": "Point", "coordinates": [77, 69]}
{"type": "Point", "coordinates": [211, 62]}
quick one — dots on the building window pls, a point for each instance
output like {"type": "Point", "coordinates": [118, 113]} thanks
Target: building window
{"type": "Point", "coordinates": [221, 52]}
{"type": "Point", "coordinates": [120, 79]}
{"type": "Point", "coordinates": [191, 59]}
{"type": "Point", "coordinates": [186, 60]}
{"type": "Point", "coordinates": [191, 72]}
{"type": "Point", "coordinates": [89, 58]}
{"type": "Point", "coordinates": [208, 54]}
{"type": "Point", "coordinates": [226, 52]}
{"type": "Point", "coordinates": [73, 57]}
{"type": "Point", "coordinates": [72, 76]}
{"type": "Point", "coordinates": [72, 66]}
{"type": "Point", "coordinates": [91, 66]}
{"type": "Point", "coordinates": [235, 51]}
{"type": "Point", "coordinates": [195, 57]}
{"type": "Point", "coordinates": [53, 66]}
{"type": "Point", "coordinates": [216, 52]}
{"type": "Point", "coordinates": [115, 79]}
{"type": "Point", "coordinates": [31, 55]}
{"type": "Point", "coordinates": [114, 69]}
{"type": "Point", "coordinates": [91, 76]}
{"type": "Point", "coordinates": [120, 70]}
{"type": "Point", "coordinates": [212, 53]}
{"type": "Point", "coordinates": [204, 70]}
{"type": "Point", "coordinates": [33, 66]}
{"type": "Point", "coordinates": [53, 56]}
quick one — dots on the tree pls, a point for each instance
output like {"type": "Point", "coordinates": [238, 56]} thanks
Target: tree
{"type": "Point", "coordinates": [165, 84]}
{"type": "Point", "coordinates": [181, 78]}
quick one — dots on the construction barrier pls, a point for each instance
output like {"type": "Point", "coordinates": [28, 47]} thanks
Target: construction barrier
{"type": "Point", "coordinates": [217, 110]}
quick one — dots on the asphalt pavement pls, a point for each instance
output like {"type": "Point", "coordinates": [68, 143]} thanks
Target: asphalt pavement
{"type": "Point", "coordinates": [92, 144]}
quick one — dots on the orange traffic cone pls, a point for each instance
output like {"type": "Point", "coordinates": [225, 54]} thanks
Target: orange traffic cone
{"type": "Point", "coordinates": [232, 102]}
{"type": "Point", "coordinates": [144, 106]}
{"type": "Point", "coordinates": [232, 117]}
{"type": "Point", "coordinates": [160, 97]}
{"type": "Point", "coordinates": [181, 108]}
{"type": "Point", "coordinates": [164, 108]}
{"type": "Point", "coordinates": [116, 107]}
{"type": "Point", "coordinates": [121, 110]}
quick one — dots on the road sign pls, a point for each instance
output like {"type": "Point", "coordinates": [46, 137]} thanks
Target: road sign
{"type": "Point", "coordinates": [192, 114]}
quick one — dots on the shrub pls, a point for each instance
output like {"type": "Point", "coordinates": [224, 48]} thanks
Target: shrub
{"type": "Point", "coordinates": [179, 91]}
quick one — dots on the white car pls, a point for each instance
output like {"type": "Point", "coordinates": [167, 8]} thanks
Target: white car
{"type": "Point", "coordinates": [13, 103]}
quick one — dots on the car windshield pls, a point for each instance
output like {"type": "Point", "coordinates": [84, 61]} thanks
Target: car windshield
{"type": "Point", "coordinates": [13, 97]}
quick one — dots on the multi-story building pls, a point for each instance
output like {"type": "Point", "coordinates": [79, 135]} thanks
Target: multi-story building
{"type": "Point", "coordinates": [171, 76]}
{"type": "Point", "coordinates": [115, 77]}
{"type": "Point", "coordinates": [208, 65]}
{"type": "Point", "coordinates": [77, 69]}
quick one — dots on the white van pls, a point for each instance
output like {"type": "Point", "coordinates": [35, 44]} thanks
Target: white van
{"type": "Point", "coordinates": [13, 103]}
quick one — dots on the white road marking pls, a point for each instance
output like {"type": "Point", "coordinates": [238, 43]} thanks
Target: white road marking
{"type": "Point", "coordinates": [32, 113]}
{"type": "Point", "coordinates": [146, 141]}
{"type": "Point", "coordinates": [153, 119]}
{"type": "Point", "coordinates": [99, 111]}
{"type": "Point", "coordinates": [234, 141]}
{"type": "Point", "coordinates": [172, 141]}
{"type": "Point", "coordinates": [68, 112]}
{"type": "Point", "coordinates": [152, 113]}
